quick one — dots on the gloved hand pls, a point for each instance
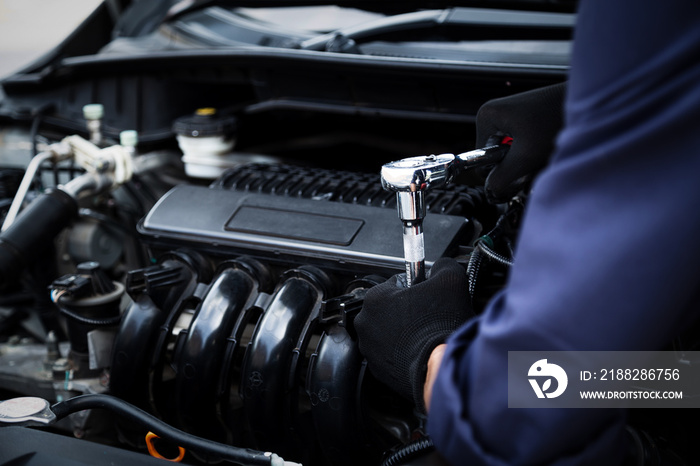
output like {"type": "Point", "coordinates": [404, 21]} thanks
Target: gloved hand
{"type": "Point", "coordinates": [533, 119]}
{"type": "Point", "coordinates": [398, 327]}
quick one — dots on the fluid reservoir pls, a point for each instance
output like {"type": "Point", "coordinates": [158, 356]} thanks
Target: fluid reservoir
{"type": "Point", "coordinates": [206, 139]}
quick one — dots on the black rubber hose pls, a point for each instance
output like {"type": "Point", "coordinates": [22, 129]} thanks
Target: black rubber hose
{"type": "Point", "coordinates": [32, 230]}
{"type": "Point", "coordinates": [410, 451]}
{"type": "Point", "coordinates": [131, 413]}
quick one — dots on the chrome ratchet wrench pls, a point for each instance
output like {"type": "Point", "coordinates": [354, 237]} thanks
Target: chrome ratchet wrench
{"type": "Point", "coordinates": [412, 177]}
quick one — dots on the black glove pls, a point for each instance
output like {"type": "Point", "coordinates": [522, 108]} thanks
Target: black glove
{"type": "Point", "coordinates": [399, 327]}
{"type": "Point", "coordinates": [533, 119]}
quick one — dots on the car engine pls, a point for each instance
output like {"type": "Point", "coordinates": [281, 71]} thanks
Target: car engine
{"type": "Point", "coordinates": [192, 231]}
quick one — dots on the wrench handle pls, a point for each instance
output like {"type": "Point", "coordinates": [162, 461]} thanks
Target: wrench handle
{"type": "Point", "coordinates": [488, 155]}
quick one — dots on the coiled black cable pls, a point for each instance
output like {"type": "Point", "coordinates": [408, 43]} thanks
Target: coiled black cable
{"type": "Point", "coordinates": [475, 260]}
{"type": "Point", "coordinates": [131, 413]}
{"type": "Point", "coordinates": [410, 451]}
{"type": "Point", "coordinates": [482, 250]}
{"type": "Point", "coordinates": [493, 254]}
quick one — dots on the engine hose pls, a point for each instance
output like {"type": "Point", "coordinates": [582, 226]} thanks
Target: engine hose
{"type": "Point", "coordinates": [131, 413]}
{"type": "Point", "coordinates": [106, 322]}
{"type": "Point", "coordinates": [26, 239]}
{"type": "Point", "coordinates": [493, 254]}
{"type": "Point", "coordinates": [475, 260]}
{"type": "Point", "coordinates": [410, 451]}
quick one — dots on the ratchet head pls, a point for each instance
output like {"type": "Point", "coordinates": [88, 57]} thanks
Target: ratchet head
{"type": "Point", "coordinates": [411, 177]}
{"type": "Point", "coordinates": [417, 173]}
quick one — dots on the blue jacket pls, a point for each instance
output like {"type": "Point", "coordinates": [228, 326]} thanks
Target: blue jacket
{"type": "Point", "coordinates": [608, 257]}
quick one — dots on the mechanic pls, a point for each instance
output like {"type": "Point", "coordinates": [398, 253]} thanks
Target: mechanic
{"type": "Point", "coordinates": [607, 257]}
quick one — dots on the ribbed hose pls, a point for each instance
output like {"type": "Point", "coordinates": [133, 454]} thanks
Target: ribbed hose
{"type": "Point", "coordinates": [493, 254]}
{"type": "Point", "coordinates": [481, 251]}
{"type": "Point", "coordinates": [410, 451]}
{"type": "Point", "coordinates": [473, 267]}
{"type": "Point", "coordinates": [131, 413]}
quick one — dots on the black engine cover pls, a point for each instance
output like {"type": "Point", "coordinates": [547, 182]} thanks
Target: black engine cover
{"type": "Point", "coordinates": [347, 237]}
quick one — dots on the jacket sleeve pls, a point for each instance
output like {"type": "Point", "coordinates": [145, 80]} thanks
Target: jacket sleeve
{"type": "Point", "coordinates": [608, 254]}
